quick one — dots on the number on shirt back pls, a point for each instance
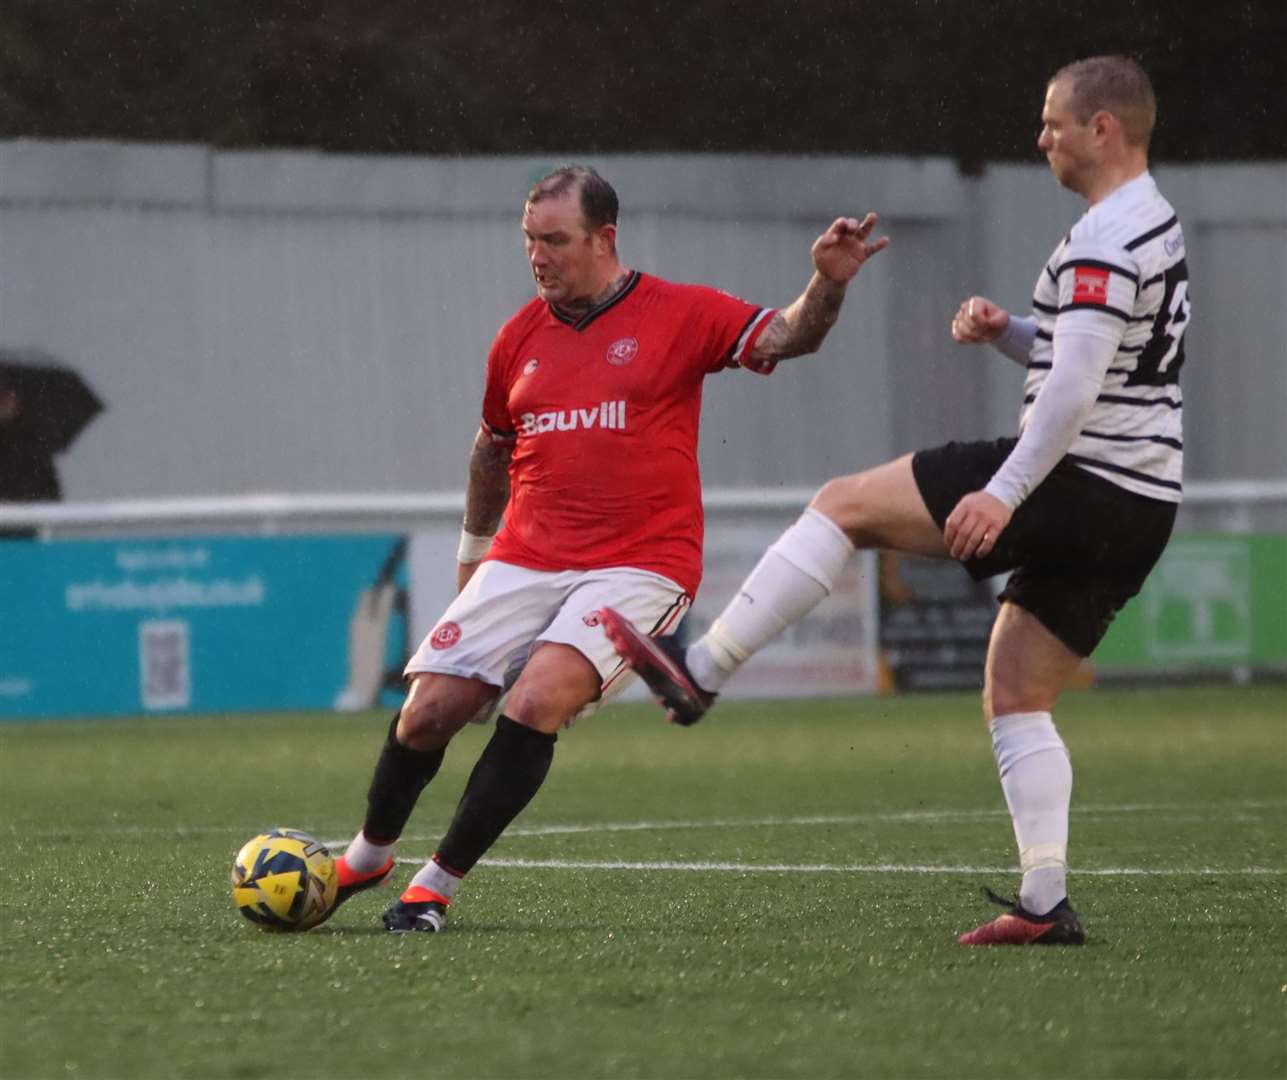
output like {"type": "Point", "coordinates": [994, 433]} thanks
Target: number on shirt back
{"type": "Point", "coordinates": [1163, 356]}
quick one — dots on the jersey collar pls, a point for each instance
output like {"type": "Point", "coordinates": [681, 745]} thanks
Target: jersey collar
{"type": "Point", "coordinates": [580, 323]}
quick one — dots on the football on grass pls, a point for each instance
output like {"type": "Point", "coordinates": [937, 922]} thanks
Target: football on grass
{"type": "Point", "coordinates": [284, 880]}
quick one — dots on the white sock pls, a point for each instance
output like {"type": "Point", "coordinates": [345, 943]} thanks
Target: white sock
{"type": "Point", "coordinates": [1036, 776]}
{"type": "Point", "coordinates": [438, 880]}
{"type": "Point", "coordinates": [364, 856]}
{"type": "Point", "coordinates": [792, 578]}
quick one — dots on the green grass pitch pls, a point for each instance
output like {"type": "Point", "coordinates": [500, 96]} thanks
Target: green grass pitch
{"type": "Point", "coordinates": [773, 893]}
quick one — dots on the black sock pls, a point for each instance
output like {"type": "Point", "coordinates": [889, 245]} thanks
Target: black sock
{"type": "Point", "coordinates": [401, 774]}
{"type": "Point", "coordinates": [509, 772]}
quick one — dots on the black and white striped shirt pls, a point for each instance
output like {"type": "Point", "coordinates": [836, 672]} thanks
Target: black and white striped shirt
{"type": "Point", "coordinates": [1120, 275]}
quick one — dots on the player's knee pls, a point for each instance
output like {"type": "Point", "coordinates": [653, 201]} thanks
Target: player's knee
{"type": "Point", "coordinates": [990, 712]}
{"type": "Point", "coordinates": [845, 501]}
{"type": "Point", "coordinates": [557, 683]}
{"type": "Point", "coordinates": [1006, 691]}
{"type": "Point", "coordinates": [999, 694]}
{"type": "Point", "coordinates": [428, 721]}
{"type": "Point", "coordinates": [545, 707]}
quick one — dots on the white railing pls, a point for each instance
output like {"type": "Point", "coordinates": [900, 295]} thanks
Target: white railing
{"type": "Point", "coordinates": [262, 513]}
{"type": "Point", "coordinates": [275, 513]}
{"type": "Point", "coordinates": [267, 514]}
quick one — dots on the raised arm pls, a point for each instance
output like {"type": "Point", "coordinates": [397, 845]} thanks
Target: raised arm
{"type": "Point", "coordinates": [838, 254]}
{"type": "Point", "coordinates": [486, 494]}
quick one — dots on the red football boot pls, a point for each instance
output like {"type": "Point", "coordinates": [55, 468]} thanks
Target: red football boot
{"type": "Point", "coordinates": [1059, 926]}
{"type": "Point", "coordinates": [418, 909]}
{"type": "Point", "coordinates": [660, 663]}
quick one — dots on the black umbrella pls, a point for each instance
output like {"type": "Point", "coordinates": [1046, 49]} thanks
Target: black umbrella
{"type": "Point", "coordinates": [54, 402]}
{"type": "Point", "coordinates": [43, 407]}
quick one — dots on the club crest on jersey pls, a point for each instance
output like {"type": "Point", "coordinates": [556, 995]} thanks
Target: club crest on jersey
{"type": "Point", "coordinates": [531, 366]}
{"type": "Point", "coordinates": [621, 352]}
{"type": "Point", "coordinates": [1090, 286]}
{"type": "Point", "coordinates": [591, 618]}
{"type": "Point", "coordinates": [444, 635]}
{"type": "Point", "coordinates": [607, 414]}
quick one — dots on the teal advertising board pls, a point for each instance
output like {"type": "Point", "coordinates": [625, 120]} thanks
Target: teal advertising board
{"type": "Point", "coordinates": [94, 628]}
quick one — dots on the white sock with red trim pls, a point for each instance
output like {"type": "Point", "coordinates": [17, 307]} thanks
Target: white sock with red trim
{"type": "Point", "coordinates": [364, 857]}
{"type": "Point", "coordinates": [793, 577]}
{"type": "Point", "coordinates": [1036, 776]}
{"type": "Point", "coordinates": [433, 881]}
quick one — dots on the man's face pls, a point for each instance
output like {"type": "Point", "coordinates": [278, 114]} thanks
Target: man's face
{"type": "Point", "coordinates": [563, 254]}
{"type": "Point", "coordinates": [1071, 146]}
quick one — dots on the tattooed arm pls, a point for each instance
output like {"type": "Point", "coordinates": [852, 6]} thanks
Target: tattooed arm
{"type": "Point", "coordinates": [486, 493]}
{"type": "Point", "coordinates": [838, 254]}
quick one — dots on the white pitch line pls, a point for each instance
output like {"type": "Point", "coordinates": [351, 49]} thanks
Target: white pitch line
{"type": "Point", "coordinates": [1187, 812]}
{"type": "Point", "coordinates": [897, 817]}
{"type": "Point", "coordinates": [903, 817]}
{"type": "Point", "coordinates": [910, 816]}
{"type": "Point", "coordinates": [1161, 811]}
{"type": "Point", "coordinates": [849, 868]}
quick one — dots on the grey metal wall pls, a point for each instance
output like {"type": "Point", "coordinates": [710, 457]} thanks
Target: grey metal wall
{"type": "Point", "coordinates": [306, 323]}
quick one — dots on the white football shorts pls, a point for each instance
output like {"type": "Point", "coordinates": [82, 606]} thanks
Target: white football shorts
{"type": "Point", "coordinates": [488, 631]}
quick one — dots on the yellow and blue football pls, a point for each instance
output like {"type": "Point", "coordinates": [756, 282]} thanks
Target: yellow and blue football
{"type": "Point", "coordinates": [284, 880]}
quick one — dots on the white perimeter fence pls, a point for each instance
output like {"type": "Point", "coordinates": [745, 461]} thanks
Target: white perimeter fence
{"type": "Point", "coordinates": [1218, 506]}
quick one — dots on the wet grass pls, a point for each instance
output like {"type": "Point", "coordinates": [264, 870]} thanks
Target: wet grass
{"type": "Point", "coordinates": [621, 949]}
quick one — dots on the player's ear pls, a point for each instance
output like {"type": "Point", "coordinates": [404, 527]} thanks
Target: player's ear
{"type": "Point", "coordinates": [1105, 125]}
{"type": "Point", "coordinates": [605, 240]}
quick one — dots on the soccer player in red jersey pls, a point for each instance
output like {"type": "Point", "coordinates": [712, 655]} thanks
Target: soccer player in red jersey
{"type": "Point", "coordinates": [588, 448]}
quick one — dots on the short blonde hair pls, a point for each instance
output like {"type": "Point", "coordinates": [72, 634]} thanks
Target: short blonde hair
{"type": "Point", "coordinates": [1115, 84]}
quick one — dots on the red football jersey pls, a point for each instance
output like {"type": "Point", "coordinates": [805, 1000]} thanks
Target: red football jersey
{"type": "Point", "coordinates": [603, 414]}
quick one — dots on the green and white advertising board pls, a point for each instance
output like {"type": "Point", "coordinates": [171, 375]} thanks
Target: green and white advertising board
{"type": "Point", "coordinates": [1213, 602]}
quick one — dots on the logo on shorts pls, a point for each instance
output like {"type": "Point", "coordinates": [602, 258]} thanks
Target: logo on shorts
{"type": "Point", "coordinates": [591, 618]}
{"type": "Point", "coordinates": [444, 635]}
{"type": "Point", "coordinates": [531, 366]}
{"type": "Point", "coordinates": [620, 353]}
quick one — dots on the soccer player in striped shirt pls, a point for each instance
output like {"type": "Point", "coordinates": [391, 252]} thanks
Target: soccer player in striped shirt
{"type": "Point", "coordinates": [1079, 506]}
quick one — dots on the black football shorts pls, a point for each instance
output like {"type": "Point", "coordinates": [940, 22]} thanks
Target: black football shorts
{"type": "Point", "coordinates": [1079, 546]}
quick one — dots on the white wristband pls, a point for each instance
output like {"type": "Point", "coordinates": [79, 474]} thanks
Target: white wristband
{"type": "Point", "coordinates": [472, 548]}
